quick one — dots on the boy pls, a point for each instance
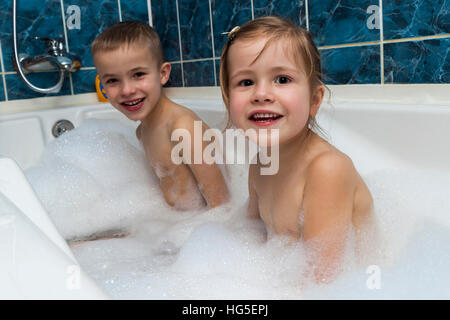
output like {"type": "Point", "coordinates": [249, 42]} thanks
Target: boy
{"type": "Point", "coordinates": [129, 59]}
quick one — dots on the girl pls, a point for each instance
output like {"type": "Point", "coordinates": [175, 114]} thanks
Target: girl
{"type": "Point", "coordinates": [271, 79]}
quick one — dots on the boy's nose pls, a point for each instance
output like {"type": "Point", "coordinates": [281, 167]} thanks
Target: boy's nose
{"type": "Point", "coordinates": [262, 93]}
{"type": "Point", "coordinates": [128, 88]}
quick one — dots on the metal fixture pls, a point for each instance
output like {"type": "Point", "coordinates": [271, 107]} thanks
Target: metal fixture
{"type": "Point", "coordinates": [61, 126]}
{"type": "Point", "coordinates": [56, 59]}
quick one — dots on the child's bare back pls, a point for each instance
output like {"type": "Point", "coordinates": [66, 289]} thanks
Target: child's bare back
{"type": "Point", "coordinates": [184, 186]}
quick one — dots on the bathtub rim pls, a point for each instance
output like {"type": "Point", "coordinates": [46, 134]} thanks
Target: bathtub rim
{"type": "Point", "coordinates": [398, 94]}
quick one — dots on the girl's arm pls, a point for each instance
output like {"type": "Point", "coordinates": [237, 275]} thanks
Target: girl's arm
{"type": "Point", "coordinates": [328, 202]}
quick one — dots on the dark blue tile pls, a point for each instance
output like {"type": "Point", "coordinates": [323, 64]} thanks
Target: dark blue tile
{"type": "Point", "coordinates": [412, 18]}
{"type": "Point", "coordinates": [199, 73]}
{"type": "Point", "coordinates": [226, 15]}
{"type": "Point", "coordinates": [96, 16]}
{"type": "Point", "coordinates": [352, 65]}
{"type": "Point", "coordinates": [342, 21]}
{"type": "Point", "coordinates": [175, 79]}
{"type": "Point", "coordinates": [34, 19]}
{"type": "Point", "coordinates": [17, 89]}
{"type": "Point", "coordinates": [2, 90]}
{"type": "Point", "coordinates": [195, 29]}
{"type": "Point", "coordinates": [417, 62]}
{"type": "Point", "coordinates": [84, 81]}
{"type": "Point", "coordinates": [134, 10]}
{"type": "Point", "coordinates": [293, 10]}
{"type": "Point", "coordinates": [217, 66]}
{"type": "Point", "coordinates": [164, 13]}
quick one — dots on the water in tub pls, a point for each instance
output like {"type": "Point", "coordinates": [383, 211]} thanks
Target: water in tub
{"type": "Point", "coordinates": [95, 179]}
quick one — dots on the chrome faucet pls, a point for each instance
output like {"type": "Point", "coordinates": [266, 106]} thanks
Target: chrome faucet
{"type": "Point", "coordinates": [56, 59]}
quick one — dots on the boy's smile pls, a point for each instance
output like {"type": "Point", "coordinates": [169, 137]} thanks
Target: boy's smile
{"type": "Point", "coordinates": [132, 79]}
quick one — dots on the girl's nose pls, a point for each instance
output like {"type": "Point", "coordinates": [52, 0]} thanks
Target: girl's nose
{"type": "Point", "coordinates": [263, 93]}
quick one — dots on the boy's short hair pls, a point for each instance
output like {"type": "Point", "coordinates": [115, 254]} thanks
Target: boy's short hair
{"type": "Point", "coordinates": [128, 33]}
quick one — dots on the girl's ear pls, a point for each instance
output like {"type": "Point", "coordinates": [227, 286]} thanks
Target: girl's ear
{"type": "Point", "coordinates": [164, 72]}
{"type": "Point", "coordinates": [316, 100]}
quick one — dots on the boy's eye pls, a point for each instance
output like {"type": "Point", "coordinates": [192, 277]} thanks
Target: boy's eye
{"type": "Point", "coordinates": [109, 81]}
{"type": "Point", "coordinates": [246, 83]}
{"type": "Point", "coordinates": [139, 74]}
{"type": "Point", "coordinates": [282, 80]}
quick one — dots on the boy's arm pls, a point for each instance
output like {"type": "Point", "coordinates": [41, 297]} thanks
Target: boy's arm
{"type": "Point", "coordinates": [208, 176]}
{"type": "Point", "coordinates": [328, 203]}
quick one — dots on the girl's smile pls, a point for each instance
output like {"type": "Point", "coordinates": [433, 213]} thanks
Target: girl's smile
{"type": "Point", "coordinates": [264, 118]}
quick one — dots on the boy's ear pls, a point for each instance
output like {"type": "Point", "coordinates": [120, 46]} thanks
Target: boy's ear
{"type": "Point", "coordinates": [316, 100]}
{"type": "Point", "coordinates": [165, 72]}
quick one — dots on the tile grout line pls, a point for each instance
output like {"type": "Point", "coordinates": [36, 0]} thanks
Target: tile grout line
{"type": "Point", "coordinates": [150, 13]}
{"type": "Point", "coordinates": [66, 40]}
{"type": "Point", "coordinates": [212, 42]}
{"type": "Point", "coordinates": [381, 43]}
{"type": "Point", "coordinates": [307, 14]}
{"type": "Point", "coordinates": [3, 72]}
{"type": "Point", "coordinates": [120, 10]}
{"type": "Point", "coordinates": [179, 43]}
{"type": "Point", "coordinates": [377, 42]}
{"type": "Point", "coordinates": [253, 9]}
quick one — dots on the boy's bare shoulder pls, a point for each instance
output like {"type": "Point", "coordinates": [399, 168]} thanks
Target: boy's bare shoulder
{"type": "Point", "coordinates": [183, 117]}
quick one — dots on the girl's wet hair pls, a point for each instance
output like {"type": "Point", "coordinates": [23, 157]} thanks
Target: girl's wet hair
{"type": "Point", "coordinates": [129, 33]}
{"type": "Point", "coordinates": [300, 46]}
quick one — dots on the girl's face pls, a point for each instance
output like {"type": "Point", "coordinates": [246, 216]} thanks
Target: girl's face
{"type": "Point", "coordinates": [132, 79]}
{"type": "Point", "coordinates": [269, 91]}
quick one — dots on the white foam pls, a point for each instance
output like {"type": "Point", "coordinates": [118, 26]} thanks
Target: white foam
{"type": "Point", "coordinates": [95, 178]}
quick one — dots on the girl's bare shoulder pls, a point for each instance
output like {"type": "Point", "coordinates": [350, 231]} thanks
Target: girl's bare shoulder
{"type": "Point", "coordinates": [331, 163]}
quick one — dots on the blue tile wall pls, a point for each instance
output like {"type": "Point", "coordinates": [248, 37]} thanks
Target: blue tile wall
{"type": "Point", "coordinates": [341, 21]}
{"type": "Point", "coordinates": [413, 18]}
{"type": "Point", "coordinates": [356, 65]}
{"type": "Point", "coordinates": [405, 43]}
{"type": "Point", "coordinates": [2, 91]}
{"type": "Point", "coordinates": [165, 19]}
{"type": "Point", "coordinates": [417, 62]}
{"type": "Point", "coordinates": [294, 10]}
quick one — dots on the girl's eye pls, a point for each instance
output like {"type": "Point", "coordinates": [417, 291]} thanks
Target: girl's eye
{"type": "Point", "coordinates": [246, 83]}
{"type": "Point", "coordinates": [139, 74]}
{"type": "Point", "coordinates": [282, 80]}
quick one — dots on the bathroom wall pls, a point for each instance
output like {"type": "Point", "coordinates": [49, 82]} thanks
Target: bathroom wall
{"type": "Point", "coordinates": [361, 42]}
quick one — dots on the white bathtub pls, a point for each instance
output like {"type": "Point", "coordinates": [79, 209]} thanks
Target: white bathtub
{"type": "Point", "coordinates": [35, 261]}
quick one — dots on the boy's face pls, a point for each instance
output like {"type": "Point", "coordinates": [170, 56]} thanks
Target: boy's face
{"type": "Point", "coordinates": [132, 79]}
{"type": "Point", "coordinates": [267, 89]}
